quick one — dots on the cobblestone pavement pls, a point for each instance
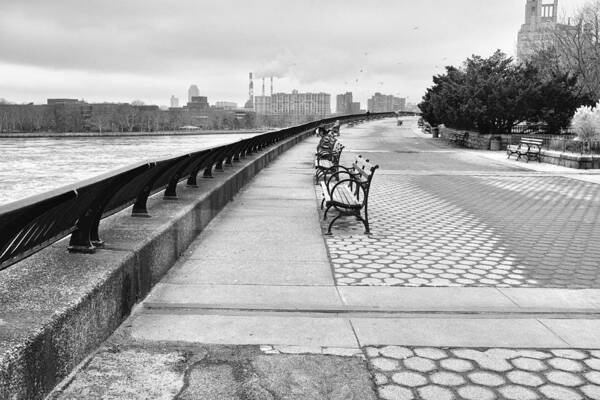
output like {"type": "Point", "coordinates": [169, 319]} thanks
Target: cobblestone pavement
{"type": "Point", "coordinates": [445, 230]}
{"type": "Point", "coordinates": [484, 374]}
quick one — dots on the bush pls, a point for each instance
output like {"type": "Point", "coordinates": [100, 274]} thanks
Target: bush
{"type": "Point", "coordinates": [586, 122]}
{"type": "Point", "coordinates": [491, 95]}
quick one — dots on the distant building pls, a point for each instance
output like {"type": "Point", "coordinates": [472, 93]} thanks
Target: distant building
{"type": "Point", "coordinates": [343, 103]}
{"type": "Point", "coordinates": [538, 31]}
{"type": "Point", "coordinates": [385, 103]}
{"type": "Point", "coordinates": [198, 103]}
{"type": "Point", "coordinates": [226, 105]}
{"type": "Point", "coordinates": [63, 101]}
{"type": "Point", "coordinates": [297, 106]}
{"type": "Point", "coordinates": [174, 102]}
{"type": "Point", "coordinates": [193, 91]}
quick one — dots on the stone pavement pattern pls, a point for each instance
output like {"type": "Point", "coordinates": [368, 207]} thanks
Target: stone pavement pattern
{"type": "Point", "coordinates": [258, 308]}
{"type": "Point", "coordinates": [484, 374]}
{"type": "Point", "coordinates": [440, 228]}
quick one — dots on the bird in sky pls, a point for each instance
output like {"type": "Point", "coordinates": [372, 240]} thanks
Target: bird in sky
{"type": "Point", "coordinates": [415, 28]}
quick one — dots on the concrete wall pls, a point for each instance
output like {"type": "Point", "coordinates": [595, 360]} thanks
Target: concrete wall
{"type": "Point", "coordinates": [57, 307]}
{"type": "Point", "coordinates": [571, 160]}
{"type": "Point", "coordinates": [481, 141]}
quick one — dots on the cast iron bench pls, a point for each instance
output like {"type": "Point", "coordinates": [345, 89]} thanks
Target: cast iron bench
{"type": "Point", "coordinates": [530, 148]}
{"type": "Point", "coordinates": [327, 160]}
{"type": "Point", "coordinates": [347, 191]}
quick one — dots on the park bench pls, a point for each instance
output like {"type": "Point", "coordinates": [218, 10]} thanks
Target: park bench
{"type": "Point", "coordinates": [327, 160]}
{"type": "Point", "coordinates": [527, 147]}
{"type": "Point", "coordinates": [347, 191]}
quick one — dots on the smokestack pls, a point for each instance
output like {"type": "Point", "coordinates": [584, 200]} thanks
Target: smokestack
{"type": "Point", "coordinates": [263, 86]}
{"type": "Point", "coordinates": [251, 88]}
{"type": "Point", "coordinates": [271, 86]}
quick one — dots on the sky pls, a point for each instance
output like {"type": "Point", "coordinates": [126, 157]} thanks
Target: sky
{"type": "Point", "coordinates": [121, 50]}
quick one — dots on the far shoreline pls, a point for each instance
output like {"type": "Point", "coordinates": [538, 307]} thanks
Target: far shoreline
{"type": "Point", "coordinates": [39, 135]}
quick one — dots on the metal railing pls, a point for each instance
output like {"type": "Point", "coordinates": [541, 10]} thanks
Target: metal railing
{"type": "Point", "coordinates": [29, 225]}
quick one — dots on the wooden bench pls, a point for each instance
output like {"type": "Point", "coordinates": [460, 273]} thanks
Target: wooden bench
{"type": "Point", "coordinates": [327, 160]}
{"type": "Point", "coordinates": [527, 147]}
{"type": "Point", "coordinates": [347, 192]}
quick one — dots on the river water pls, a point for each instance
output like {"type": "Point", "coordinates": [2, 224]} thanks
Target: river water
{"type": "Point", "coordinates": [36, 165]}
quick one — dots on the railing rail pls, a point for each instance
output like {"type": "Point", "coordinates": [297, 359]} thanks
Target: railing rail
{"type": "Point", "coordinates": [29, 225]}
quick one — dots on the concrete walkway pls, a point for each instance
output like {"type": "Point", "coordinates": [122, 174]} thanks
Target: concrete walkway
{"type": "Point", "coordinates": [263, 274]}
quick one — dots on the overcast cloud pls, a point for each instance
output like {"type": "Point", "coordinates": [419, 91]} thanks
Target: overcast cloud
{"type": "Point", "coordinates": [149, 49]}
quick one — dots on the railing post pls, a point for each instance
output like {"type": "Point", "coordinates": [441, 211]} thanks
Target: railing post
{"type": "Point", "coordinates": [140, 209]}
{"type": "Point", "coordinates": [208, 172]}
{"type": "Point", "coordinates": [81, 240]}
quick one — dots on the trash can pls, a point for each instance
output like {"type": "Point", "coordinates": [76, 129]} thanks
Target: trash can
{"type": "Point", "coordinates": [435, 131]}
{"type": "Point", "coordinates": [495, 143]}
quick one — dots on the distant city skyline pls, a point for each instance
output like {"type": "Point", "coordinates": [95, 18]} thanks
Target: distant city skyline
{"type": "Point", "coordinates": [63, 49]}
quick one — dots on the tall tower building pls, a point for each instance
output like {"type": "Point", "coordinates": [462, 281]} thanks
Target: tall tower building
{"type": "Point", "coordinates": [250, 102]}
{"type": "Point", "coordinates": [193, 91]}
{"type": "Point", "coordinates": [541, 19]}
{"type": "Point", "coordinates": [174, 101]}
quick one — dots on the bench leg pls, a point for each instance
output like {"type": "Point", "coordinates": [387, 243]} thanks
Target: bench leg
{"type": "Point", "coordinates": [331, 223]}
{"type": "Point", "coordinates": [326, 211]}
{"type": "Point", "coordinates": [366, 222]}
{"type": "Point", "coordinates": [322, 202]}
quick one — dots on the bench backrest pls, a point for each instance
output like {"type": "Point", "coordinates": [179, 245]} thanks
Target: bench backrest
{"type": "Point", "coordinates": [532, 142]}
{"type": "Point", "coordinates": [365, 169]}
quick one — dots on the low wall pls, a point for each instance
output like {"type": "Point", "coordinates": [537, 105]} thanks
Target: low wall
{"type": "Point", "coordinates": [476, 140]}
{"type": "Point", "coordinates": [571, 160]}
{"type": "Point", "coordinates": [57, 307]}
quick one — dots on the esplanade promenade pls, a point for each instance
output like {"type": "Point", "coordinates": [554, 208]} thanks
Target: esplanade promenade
{"type": "Point", "coordinates": [211, 274]}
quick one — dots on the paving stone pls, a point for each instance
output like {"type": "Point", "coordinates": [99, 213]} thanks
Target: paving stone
{"type": "Point", "coordinates": [591, 391]}
{"type": "Point", "coordinates": [513, 392]}
{"type": "Point", "coordinates": [570, 353]}
{"type": "Point", "coordinates": [555, 392]}
{"type": "Point", "coordinates": [538, 355]}
{"type": "Point", "coordinates": [529, 364]}
{"type": "Point", "coordinates": [380, 379]}
{"type": "Point", "coordinates": [393, 392]}
{"type": "Point", "coordinates": [397, 352]}
{"type": "Point", "coordinates": [564, 378]}
{"type": "Point", "coordinates": [447, 379]}
{"type": "Point", "coordinates": [486, 378]}
{"type": "Point", "coordinates": [433, 392]}
{"type": "Point", "coordinates": [565, 364]}
{"type": "Point", "coordinates": [593, 377]}
{"type": "Point", "coordinates": [410, 379]}
{"type": "Point", "coordinates": [524, 378]}
{"type": "Point", "coordinates": [593, 363]}
{"type": "Point", "coordinates": [431, 353]}
{"type": "Point", "coordinates": [471, 392]}
{"type": "Point", "coordinates": [456, 364]}
{"type": "Point", "coordinates": [419, 364]}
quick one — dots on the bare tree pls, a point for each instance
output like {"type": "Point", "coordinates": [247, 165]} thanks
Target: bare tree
{"type": "Point", "coordinates": [577, 48]}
